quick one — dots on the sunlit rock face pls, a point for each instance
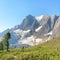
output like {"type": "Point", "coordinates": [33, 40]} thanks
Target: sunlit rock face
{"type": "Point", "coordinates": [33, 30]}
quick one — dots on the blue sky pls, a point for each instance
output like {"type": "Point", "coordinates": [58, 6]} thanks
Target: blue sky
{"type": "Point", "coordinates": [12, 12]}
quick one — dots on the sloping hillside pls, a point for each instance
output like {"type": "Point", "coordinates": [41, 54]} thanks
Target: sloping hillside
{"type": "Point", "coordinates": [46, 51]}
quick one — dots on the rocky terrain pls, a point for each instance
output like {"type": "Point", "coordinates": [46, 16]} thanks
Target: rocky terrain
{"type": "Point", "coordinates": [33, 30]}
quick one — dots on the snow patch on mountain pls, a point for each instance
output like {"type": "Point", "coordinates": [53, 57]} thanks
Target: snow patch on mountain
{"type": "Point", "coordinates": [21, 33]}
{"type": "Point", "coordinates": [50, 33]}
{"type": "Point", "coordinates": [27, 41]}
{"type": "Point", "coordinates": [26, 31]}
{"type": "Point", "coordinates": [30, 41]}
{"type": "Point", "coordinates": [38, 18]}
{"type": "Point", "coordinates": [38, 41]}
{"type": "Point", "coordinates": [38, 28]}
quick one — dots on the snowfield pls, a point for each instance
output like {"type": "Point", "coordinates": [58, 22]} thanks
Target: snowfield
{"type": "Point", "coordinates": [38, 28]}
{"type": "Point", "coordinates": [30, 41]}
{"type": "Point", "coordinates": [39, 18]}
{"type": "Point", "coordinates": [21, 33]}
{"type": "Point", "coordinates": [50, 33]}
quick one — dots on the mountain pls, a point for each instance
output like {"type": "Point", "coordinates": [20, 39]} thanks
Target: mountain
{"type": "Point", "coordinates": [34, 30]}
{"type": "Point", "coordinates": [47, 25]}
{"type": "Point", "coordinates": [27, 23]}
{"type": "Point", "coordinates": [56, 30]}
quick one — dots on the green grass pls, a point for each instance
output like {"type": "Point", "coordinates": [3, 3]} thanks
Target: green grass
{"type": "Point", "coordinates": [46, 51]}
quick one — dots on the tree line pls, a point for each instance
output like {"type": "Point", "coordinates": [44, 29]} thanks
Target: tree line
{"type": "Point", "coordinates": [4, 44]}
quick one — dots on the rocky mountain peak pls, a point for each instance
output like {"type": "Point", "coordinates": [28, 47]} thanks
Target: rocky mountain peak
{"type": "Point", "coordinates": [32, 28]}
